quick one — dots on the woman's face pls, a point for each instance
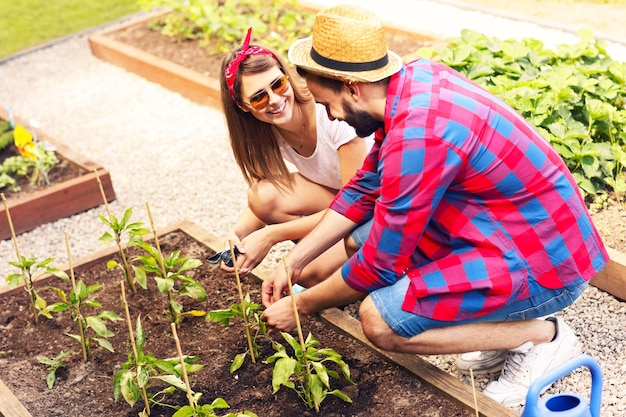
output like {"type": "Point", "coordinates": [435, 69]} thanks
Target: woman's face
{"type": "Point", "coordinates": [268, 96]}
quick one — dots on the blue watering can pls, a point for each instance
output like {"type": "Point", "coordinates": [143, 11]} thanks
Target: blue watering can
{"type": "Point", "coordinates": [565, 405]}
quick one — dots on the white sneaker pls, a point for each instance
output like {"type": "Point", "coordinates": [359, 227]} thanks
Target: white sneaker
{"type": "Point", "coordinates": [528, 362]}
{"type": "Point", "coordinates": [486, 361]}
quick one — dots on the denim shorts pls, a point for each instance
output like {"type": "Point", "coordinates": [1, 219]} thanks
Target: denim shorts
{"type": "Point", "coordinates": [388, 301]}
{"type": "Point", "coordinates": [360, 233]}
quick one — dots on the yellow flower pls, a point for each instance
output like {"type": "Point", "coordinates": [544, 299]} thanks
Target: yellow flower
{"type": "Point", "coordinates": [24, 142]}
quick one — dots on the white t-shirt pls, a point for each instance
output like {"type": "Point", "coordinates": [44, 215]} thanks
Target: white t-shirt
{"type": "Point", "coordinates": [322, 167]}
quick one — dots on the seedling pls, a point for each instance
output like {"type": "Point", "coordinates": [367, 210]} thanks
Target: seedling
{"type": "Point", "coordinates": [30, 269]}
{"type": "Point", "coordinates": [308, 367]}
{"type": "Point", "coordinates": [79, 297]}
{"type": "Point", "coordinates": [194, 409]}
{"type": "Point", "coordinates": [53, 364]}
{"type": "Point", "coordinates": [168, 275]}
{"type": "Point", "coordinates": [141, 370]}
{"type": "Point", "coordinates": [124, 233]}
{"type": "Point", "coordinates": [247, 312]}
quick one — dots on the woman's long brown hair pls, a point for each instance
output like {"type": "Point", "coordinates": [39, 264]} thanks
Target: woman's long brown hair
{"type": "Point", "coordinates": [254, 143]}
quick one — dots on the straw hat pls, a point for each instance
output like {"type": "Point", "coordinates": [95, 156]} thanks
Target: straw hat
{"type": "Point", "coordinates": [348, 42]}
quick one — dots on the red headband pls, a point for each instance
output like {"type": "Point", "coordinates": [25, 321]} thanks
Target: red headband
{"type": "Point", "coordinates": [233, 66]}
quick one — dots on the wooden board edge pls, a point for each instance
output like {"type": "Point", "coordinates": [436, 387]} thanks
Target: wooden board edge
{"type": "Point", "coordinates": [10, 406]}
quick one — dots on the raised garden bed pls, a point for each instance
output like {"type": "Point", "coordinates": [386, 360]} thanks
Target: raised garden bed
{"type": "Point", "coordinates": [387, 384]}
{"type": "Point", "coordinates": [130, 46]}
{"type": "Point", "coordinates": [76, 190]}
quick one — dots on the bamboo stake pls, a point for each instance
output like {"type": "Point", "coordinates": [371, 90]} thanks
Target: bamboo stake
{"type": "Point", "coordinates": [161, 264]}
{"type": "Point", "coordinates": [83, 341]}
{"type": "Point", "coordinates": [118, 238]}
{"type": "Point", "coordinates": [474, 392]}
{"type": "Point", "coordinates": [133, 344]}
{"type": "Point", "coordinates": [27, 285]}
{"type": "Point", "coordinates": [299, 327]}
{"type": "Point", "coordinates": [182, 365]}
{"type": "Point", "coordinates": [243, 303]}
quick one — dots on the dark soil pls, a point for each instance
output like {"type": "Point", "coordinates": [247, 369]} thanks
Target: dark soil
{"type": "Point", "coordinates": [190, 54]}
{"type": "Point", "coordinates": [86, 389]}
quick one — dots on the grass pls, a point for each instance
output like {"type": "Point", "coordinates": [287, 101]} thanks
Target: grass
{"type": "Point", "coordinates": [26, 23]}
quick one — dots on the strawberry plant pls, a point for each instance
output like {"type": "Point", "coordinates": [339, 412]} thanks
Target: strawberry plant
{"type": "Point", "coordinates": [575, 95]}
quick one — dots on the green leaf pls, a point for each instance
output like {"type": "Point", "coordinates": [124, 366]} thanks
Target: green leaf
{"type": "Point", "coordinates": [238, 361]}
{"type": "Point", "coordinates": [283, 369]}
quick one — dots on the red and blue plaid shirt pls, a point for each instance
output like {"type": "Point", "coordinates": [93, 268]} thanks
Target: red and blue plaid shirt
{"type": "Point", "coordinates": [468, 200]}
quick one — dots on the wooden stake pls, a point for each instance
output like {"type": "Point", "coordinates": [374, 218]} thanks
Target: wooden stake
{"type": "Point", "coordinates": [182, 365]}
{"type": "Point", "coordinates": [118, 239]}
{"type": "Point", "coordinates": [133, 344]}
{"type": "Point", "coordinates": [83, 341]}
{"type": "Point", "coordinates": [298, 326]}
{"type": "Point", "coordinates": [27, 286]}
{"type": "Point", "coordinates": [243, 303]}
{"type": "Point", "coordinates": [474, 392]}
{"type": "Point", "coordinates": [161, 264]}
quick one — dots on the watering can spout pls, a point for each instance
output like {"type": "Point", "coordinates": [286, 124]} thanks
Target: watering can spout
{"type": "Point", "coordinates": [565, 405]}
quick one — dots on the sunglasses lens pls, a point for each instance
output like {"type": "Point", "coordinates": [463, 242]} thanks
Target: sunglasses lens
{"type": "Point", "coordinates": [260, 100]}
{"type": "Point", "coordinates": [280, 85]}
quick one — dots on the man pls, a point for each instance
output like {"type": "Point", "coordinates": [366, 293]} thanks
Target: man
{"type": "Point", "coordinates": [472, 231]}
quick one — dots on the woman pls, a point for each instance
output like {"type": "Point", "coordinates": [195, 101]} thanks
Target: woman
{"type": "Point", "coordinates": [273, 118]}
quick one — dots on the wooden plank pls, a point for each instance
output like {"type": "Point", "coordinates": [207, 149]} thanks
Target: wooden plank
{"type": "Point", "coordinates": [9, 405]}
{"type": "Point", "coordinates": [449, 386]}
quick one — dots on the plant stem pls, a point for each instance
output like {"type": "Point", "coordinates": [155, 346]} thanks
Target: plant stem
{"type": "Point", "coordinates": [182, 365]}
{"type": "Point", "coordinates": [133, 344]}
{"type": "Point", "coordinates": [27, 283]}
{"type": "Point", "coordinates": [79, 317]}
{"type": "Point", "coordinates": [118, 239]}
{"type": "Point", "coordinates": [243, 304]}
{"type": "Point", "coordinates": [299, 327]}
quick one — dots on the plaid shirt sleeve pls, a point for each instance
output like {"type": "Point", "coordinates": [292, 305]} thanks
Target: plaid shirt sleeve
{"type": "Point", "coordinates": [473, 204]}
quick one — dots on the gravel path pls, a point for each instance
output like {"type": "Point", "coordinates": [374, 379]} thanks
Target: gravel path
{"type": "Point", "coordinates": [165, 150]}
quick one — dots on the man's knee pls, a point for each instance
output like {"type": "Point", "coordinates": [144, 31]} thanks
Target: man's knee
{"type": "Point", "coordinates": [375, 328]}
{"type": "Point", "coordinates": [350, 245]}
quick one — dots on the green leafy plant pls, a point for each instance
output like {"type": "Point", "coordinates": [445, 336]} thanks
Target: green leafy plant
{"type": "Point", "coordinates": [308, 368]}
{"type": "Point", "coordinates": [79, 299]}
{"type": "Point", "coordinates": [124, 233]}
{"type": "Point", "coordinates": [575, 95]}
{"type": "Point", "coordinates": [208, 410]}
{"type": "Point", "coordinates": [276, 23]}
{"type": "Point", "coordinates": [53, 364]}
{"type": "Point", "coordinates": [142, 370]}
{"type": "Point", "coordinates": [169, 276]}
{"type": "Point", "coordinates": [248, 312]}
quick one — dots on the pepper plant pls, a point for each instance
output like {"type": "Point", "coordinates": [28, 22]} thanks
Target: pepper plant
{"type": "Point", "coordinates": [169, 275]}
{"type": "Point", "coordinates": [124, 233]}
{"type": "Point", "coordinates": [575, 95]}
{"type": "Point", "coordinates": [248, 312]}
{"type": "Point", "coordinates": [53, 365]}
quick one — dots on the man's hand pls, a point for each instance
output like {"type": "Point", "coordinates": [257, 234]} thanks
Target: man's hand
{"type": "Point", "coordinates": [280, 315]}
{"type": "Point", "coordinates": [276, 286]}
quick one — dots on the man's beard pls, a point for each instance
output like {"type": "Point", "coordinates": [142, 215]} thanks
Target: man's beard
{"type": "Point", "coordinates": [362, 122]}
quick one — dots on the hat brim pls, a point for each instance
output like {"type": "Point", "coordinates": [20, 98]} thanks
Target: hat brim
{"type": "Point", "coordinates": [300, 55]}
